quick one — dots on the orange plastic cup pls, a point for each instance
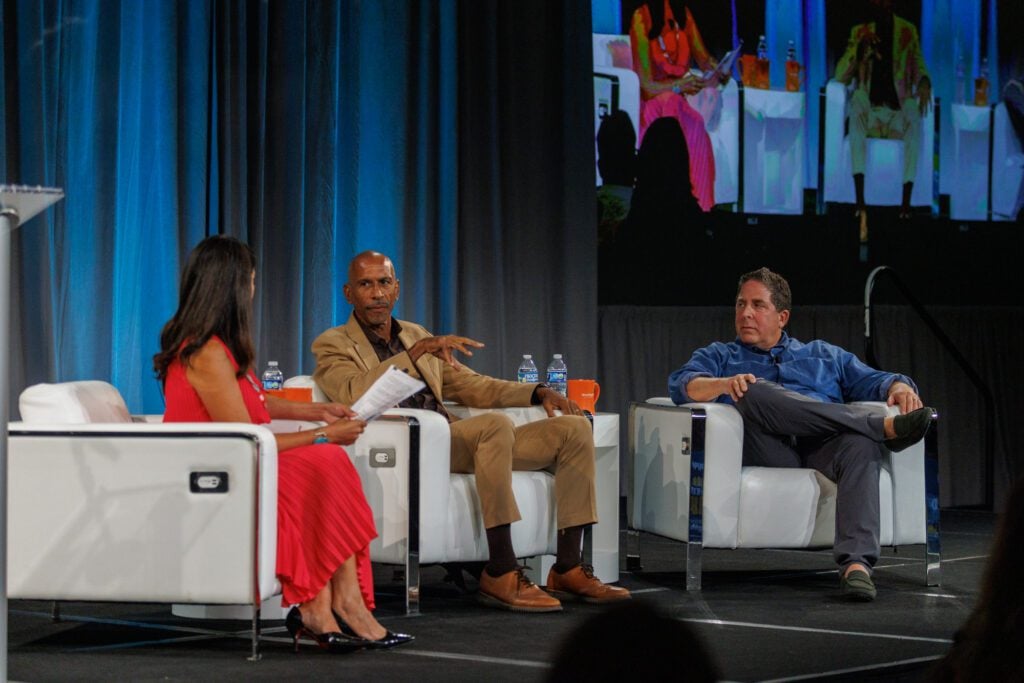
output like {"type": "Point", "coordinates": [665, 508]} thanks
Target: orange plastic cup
{"type": "Point", "coordinates": [278, 393]}
{"type": "Point", "coordinates": [300, 394]}
{"type": "Point", "coordinates": [585, 392]}
{"type": "Point", "coordinates": [793, 76]}
{"type": "Point", "coordinates": [749, 71]}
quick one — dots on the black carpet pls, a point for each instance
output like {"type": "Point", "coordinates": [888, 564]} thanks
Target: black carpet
{"type": "Point", "coordinates": [763, 614]}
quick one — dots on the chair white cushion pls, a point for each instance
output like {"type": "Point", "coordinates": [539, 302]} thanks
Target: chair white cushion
{"type": "Point", "coordinates": [72, 403]}
{"type": "Point", "coordinates": [784, 507]}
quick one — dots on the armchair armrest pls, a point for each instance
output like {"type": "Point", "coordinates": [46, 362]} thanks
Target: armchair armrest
{"type": "Point", "coordinates": [659, 427]}
{"type": "Point", "coordinates": [909, 485]}
{"type": "Point", "coordinates": [406, 448]}
{"type": "Point", "coordinates": [118, 512]}
{"type": "Point", "coordinates": [518, 415]}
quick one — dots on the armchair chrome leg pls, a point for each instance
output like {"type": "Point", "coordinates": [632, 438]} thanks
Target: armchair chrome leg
{"type": "Point", "coordinates": [933, 546]}
{"type": "Point", "coordinates": [412, 585]}
{"type": "Point", "coordinates": [412, 541]}
{"type": "Point", "coordinates": [255, 656]}
{"type": "Point", "coordinates": [695, 523]}
{"type": "Point", "coordinates": [633, 563]}
{"type": "Point", "coordinates": [694, 561]}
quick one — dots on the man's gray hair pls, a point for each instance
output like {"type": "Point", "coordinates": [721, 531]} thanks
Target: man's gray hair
{"type": "Point", "coordinates": [777, 286]}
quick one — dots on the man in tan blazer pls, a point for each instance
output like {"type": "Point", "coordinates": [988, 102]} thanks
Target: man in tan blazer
{"type": "Point", "coordinates": [894, 92]}
{"type": "Point", "coordinates": [352, 356]}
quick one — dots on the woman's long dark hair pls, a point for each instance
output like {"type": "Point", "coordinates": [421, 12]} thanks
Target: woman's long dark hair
{"type": "Point", "coordinates": [657, 10]}
{"type": "Point", "coordinates": [663, 187]}
{"type": "Point", "coordinates": [215, 299]}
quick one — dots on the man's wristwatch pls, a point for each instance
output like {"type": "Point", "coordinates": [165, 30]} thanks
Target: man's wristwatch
{"type": "Point", "coordinates": [320, 437]}
{"type": "Point", "coordinates": [535, 399]}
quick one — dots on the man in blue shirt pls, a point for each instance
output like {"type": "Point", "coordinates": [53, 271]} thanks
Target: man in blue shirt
{"type": "Point", "coordinates": [792, 398]}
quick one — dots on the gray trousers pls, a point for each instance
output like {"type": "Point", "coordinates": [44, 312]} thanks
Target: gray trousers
{"type": "Point", "coordinates": [782, 428]}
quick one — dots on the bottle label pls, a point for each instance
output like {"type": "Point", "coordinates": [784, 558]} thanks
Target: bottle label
{"type": "Point", "coordinates": [557, 376]}
{"type": "Point", "coordinates": [528, 377]}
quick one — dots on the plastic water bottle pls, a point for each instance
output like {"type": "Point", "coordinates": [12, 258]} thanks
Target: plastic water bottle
{"type": "Point", "coordinates": [273, 378]}
{"type": "Point", "coordinates": [792, 68]}
{"type": "Point", "coordinates": [528, 371]}
{"type": "Point", "coordinates": [762, 63]}
{"type": "Point", "coordinates": [981, 85]}
{"type": "Point", "coordinates": [558, 374]}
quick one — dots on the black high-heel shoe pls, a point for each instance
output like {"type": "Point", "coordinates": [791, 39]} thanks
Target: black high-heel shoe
{"type": "Point", "coordinates": [390, 639]}
{"type": "Point", "coordinates": [334, 642]}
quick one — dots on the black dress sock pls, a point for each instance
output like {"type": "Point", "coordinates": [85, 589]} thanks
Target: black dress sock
{"type": "Point", "coordinates": [499, 544]}
{"type": "Point", "coordinates": [570, 549]}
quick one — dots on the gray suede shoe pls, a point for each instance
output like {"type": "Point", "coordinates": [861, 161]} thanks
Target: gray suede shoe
{"type": "Point", "coordinates": [909, 428]}
{"type": "Point", "coordinates": [857, 586]}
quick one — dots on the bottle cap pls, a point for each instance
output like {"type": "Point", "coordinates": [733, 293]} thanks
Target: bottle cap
{"type": "Point", "coordinates": [558, 356]}
{"type": "Point", "coordinates": [273, 363]}
{"type": "Point", "coordinates": [527, 356]}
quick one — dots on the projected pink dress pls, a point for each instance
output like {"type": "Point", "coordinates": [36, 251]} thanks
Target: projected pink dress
{"type": "Point", "coordinates": [322, 515]}
{"type": "Point", "coordinates": [660, 62]}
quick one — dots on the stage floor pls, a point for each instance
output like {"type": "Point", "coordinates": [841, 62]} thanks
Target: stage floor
{"type": "Point", "coordinates": [765, 615]}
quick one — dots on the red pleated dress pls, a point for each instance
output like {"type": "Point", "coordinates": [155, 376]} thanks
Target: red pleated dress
{"type": "Point", "coordinates": [322, 515]}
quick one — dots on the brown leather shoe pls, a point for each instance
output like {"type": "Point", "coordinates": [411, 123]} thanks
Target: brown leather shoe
{"type": "Point", "coordinates": [513, 591]}
{"type": "Point", "coordinates": [579, 583]}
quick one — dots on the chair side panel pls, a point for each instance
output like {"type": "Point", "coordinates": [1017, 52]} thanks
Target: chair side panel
{"type": "Point", "coordinates": [92, 517]}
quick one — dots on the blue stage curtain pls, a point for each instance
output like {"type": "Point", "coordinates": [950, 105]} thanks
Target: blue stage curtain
{"type": "Point", "coordinates": [311, 130]}
{"type": "Point", "coordinates": [950, 29]}
{"type": "Point", "coordinates": [816, 74]}
{"type": "Point", "coordinates": [606, 16]}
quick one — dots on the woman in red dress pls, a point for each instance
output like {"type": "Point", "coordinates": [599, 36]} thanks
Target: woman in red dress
{"type": "Point", "coordinates": [324, 525]}
{"type": "Point", "coordinates": [665, 40]}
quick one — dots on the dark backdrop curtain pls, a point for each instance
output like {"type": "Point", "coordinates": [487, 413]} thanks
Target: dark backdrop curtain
{"type": "Point", "coordinates": [527, 281]}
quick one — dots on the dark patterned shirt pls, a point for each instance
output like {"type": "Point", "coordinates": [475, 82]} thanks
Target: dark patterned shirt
{"type": "Point", "coordinates": [385, 349]}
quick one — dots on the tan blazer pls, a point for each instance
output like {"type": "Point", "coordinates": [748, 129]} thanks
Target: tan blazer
{"type": "Point", "coordinates": [907, 60]}
{"type": "Point", "coordinates": [347, 365]}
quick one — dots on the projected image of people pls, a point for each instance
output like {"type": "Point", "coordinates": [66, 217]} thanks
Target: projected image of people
{"type": "Point", "coordinates": [666, 43]}
{"type": "Point", "coordinates": [893, 92]}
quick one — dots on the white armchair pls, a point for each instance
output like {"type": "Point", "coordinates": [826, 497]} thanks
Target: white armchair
{"type": "Point", "coordinates": [106, 507]}
{"type": "Point", "coordinates": [440, 519]}
{"type": "Point", "coordinates": [883, 175]}
{"type": "Point", "coordinates": [689, 485]}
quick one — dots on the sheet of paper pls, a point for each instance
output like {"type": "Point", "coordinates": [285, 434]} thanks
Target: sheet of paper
{"type": "Point", "coordinates": [716, 75]}
{"type": "Point", "coordinates": [390, 389]}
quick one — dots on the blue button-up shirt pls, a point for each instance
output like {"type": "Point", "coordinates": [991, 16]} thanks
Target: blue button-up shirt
{"type": "Point", "coordinates": [816, 369]}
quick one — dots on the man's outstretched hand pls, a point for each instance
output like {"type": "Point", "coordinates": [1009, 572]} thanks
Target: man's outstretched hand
{"type": "Point", "coordinates": [444, 347]}
{"type": "Point", "coordinates": [551, 400]}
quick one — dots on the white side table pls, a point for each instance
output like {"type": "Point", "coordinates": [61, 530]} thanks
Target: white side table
{"type": "Point", "coordinates": [605, 534]}
{"type": "Point", "coordinates": [773, 151]}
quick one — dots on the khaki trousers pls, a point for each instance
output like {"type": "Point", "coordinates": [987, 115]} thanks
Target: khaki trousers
{"type": "Point", "coordinates": [491, 447]}
{"type": "Point", "coordinates": [881, 122]}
